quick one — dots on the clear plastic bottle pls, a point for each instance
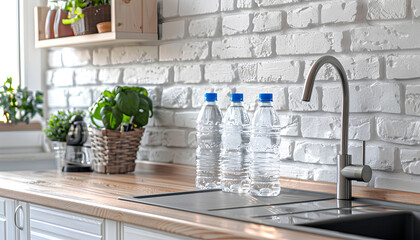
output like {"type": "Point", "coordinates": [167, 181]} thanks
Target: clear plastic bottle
{"type": "Point", "coordinates": [235, 140]}
{"type": "Point", "coordinates": [264, 144]}
{"type": "Point", "coordinates": [208, 144]}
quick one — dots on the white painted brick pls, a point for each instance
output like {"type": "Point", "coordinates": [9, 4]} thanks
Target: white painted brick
{"type": "Point", "coordinates": [223, 96]}
{"type": "Point", "coordinates": [101, 57]}
{"type": "Point", "coordinates": [54, 59]}
{"type": "Point", "coordinates": [380, 157]}
{"type": "Point", "coordinates": [80, 97]}
{"type": "Point", "coordinates": [195, 7]}
{"type": "Point", "coordinates": [265, 3]}
{"type": "Point", "coordinates": [174, 138]}
{"type": "Point", "coordinates": [143, 153]}
{"type": "Point", "coordinates": [197, 96]}
{"type": "Point", "coordinates": [163, 155]}
{"type": "Point", "coordinates": [73, 57]}
{"type": "Point", "coordinates": [330, 127]}
{"type": "Point", "coordinates": [242, 47]}
{"type": "Point", "coordinates": [296, 103]}
{"type": "Point", "coordinates": [57, 97]}
{"type": "Point", "coordinates": [410, 161]}
{"type": "Point", "coordinates": [173, 30]}
{"type": "Point", "coordinates": [325, 174]}
{"type": "Point", "coordinates": [219, 72]}
{"type": "Point", "coordinates": [326, 73]}
{"type": "Point", "coordinates": [397, 184]}
{"type": "Point", "coordinates": [303, 17]}
{"type": "Point", "coordinates": [84, 76]}
{"type": "Point", "coordinates": [267, 21]}
{"type": "Point", "coordinates": [163, 118]}
{"type": "Point", "coordinates": [227, 5]}
{"type": "Point", "coordinates": [339, 12]}
{"type": "Point", "coordinates": [152, 137]}
{"type": "Point", "coordinates": [376, 97]}
{"type": "Point", "coordinates": [289, 125]}
{"type": "Point", "coordinates": [176, 97]}
{"type": "Point", "coordinates": [156, 74]}
{"type": "Point", "coordinates": [244, 3]}
{"type": "Point", "coordinates": [97, 90]}
{"type": "Point", "coordinates": [170, 8]}
{"type": "Point", "coordinates": [235, 24]}
{"type": "Point", "coordinates": [387, 9]}
{"type": "Point", "coordinates": [309, 43]}
{"type": "Point", "coordinates": [63, 77]}
{"type": "Point", "coordinates": [184, 51]}
{"type": "Point", "coordinates": [402, 130]}
{"type": "Point", "coordinates": [415, 5]}
{"type": "Point", "coordinates": [308, 152]}
{"type": "Point", "coordinates": [155, 94]}
{"type": "Point", "coordinates": [109, 75]}
{"type": "Point", "coordinates": [188, 73]}
{"type": "Point", "coordinates": [399, 36]}
{"type": "Point", "coordinates": [412, 99]}
{"type": "Point", "coordinates": [247, 72]}
{"type": "Point", "coordinates": [49, 77]}
{"type": "Point", "coordinates": [203, 27]}
{"type": "Point", "coordinates": [402, 66]}
{"type": "Point", "coordinates": [134, 54]}
{"type": "Point", "coordinates": [192, 139]}
{"type": "Point", "coordinates": [292, 171]}
{"type": "Point", "coordinates": [278, 71]}
{"type": "Point", "coordinates": [251, 93]}
{"type": "Point", "coordinates": [286, 149]}
{"type": "Point", "coordinates": [186, 119]}
{"type": "Point", "coordinates": [185, 156]}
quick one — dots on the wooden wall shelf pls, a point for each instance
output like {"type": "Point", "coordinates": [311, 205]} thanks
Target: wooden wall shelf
{"type": "Point", "coordinates": [131, 21]}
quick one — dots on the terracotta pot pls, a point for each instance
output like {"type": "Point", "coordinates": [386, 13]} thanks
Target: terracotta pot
{"type": "Point", "coordinates": [104, 27]}
{"type": "Point", "coordinates": [49, 24]}
{"type": "Point", "coordinates": [93, 16]}
{"type": "Point", "coordinates": [60, 29]}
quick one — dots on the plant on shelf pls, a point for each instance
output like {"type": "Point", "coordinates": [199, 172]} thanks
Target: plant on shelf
{"type": "Point", "coordinates": [19, 105]}
{"type": "Point", "coordinates": [59, 125]}
{"type": "Point", "coordinates": [123, 112]}
{"type": "Point", "coordinates": [120, 106]}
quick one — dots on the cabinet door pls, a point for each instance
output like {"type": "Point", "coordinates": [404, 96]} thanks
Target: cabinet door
{"type": "Point", "coordinates": [21, 220]}
{"type": "Point", "coordinates": [50, 223]}
{"type": "Point", "coordinates": [7, 225]}
{"type": "Point", "coordinates": [133, 232]}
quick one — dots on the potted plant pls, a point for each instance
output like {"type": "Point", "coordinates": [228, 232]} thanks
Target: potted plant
{"type": "Point", "coordinates": [84, 15]}
{"type": "Point", "coordinates": [18, 107]}
{"type": "Point", "coordinates": [57, 129]}
{"type": "Point", "coordinates": [119, 117]}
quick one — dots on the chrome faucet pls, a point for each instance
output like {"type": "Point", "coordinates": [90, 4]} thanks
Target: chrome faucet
{"type": "Point", "coordinates": [345, 170]}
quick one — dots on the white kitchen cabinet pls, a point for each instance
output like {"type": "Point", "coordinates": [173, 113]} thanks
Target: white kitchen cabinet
{"type": "Point", "coordinates": [133, 232]}
{"type": "Point", "coordinates": [13, 219]}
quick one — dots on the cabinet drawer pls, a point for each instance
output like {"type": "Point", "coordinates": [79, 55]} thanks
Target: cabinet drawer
{"type": "Point", "coordinates": [132, 232]}
{"type": "Point", "coordinates": [49, 223]}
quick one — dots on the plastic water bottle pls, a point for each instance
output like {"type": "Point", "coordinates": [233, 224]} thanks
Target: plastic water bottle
{"type": "Point", "coordinates": [265, 143]}
{"type": "Point", "coordinates": [235, 140]}
{"type": "Point", "coordinates": [208, 144]}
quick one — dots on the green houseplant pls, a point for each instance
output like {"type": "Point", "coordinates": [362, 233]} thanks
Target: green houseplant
{"type": "Point", "coordinates": [58, 126]}
{"type": "Point", "coordinates": [19, 105]}
{"type": "Point", "coordinates": [114, 148]}
{"type": "Point", "coordinates": [84, 15]}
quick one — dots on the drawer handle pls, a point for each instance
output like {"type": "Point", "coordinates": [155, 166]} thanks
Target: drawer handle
{"type": "Point", "coordinates": [15, 217]}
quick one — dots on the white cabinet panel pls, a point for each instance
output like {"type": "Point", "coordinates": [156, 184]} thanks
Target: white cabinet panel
{"type": "Point", "coordinates": [3, 229]}
{"type": "Point", "coordinates": [132, 232]}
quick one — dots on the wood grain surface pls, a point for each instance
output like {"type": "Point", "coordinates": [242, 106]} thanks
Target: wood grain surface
{"type": "Point", "coordinates": [96, 194]}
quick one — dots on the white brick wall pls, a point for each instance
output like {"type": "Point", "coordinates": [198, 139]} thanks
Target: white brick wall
{"type": "Point", "coordinates": [254, 46]}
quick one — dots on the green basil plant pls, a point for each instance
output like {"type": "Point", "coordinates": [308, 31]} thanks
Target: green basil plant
{"type": "Point", "coordinates": [74, 8]}
{"type": "Point", "coordinates": [120, 106]}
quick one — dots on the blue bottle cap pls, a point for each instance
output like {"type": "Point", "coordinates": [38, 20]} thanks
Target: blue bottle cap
{"type": "Point", "coordinates": [266, 97]}
{"type": "Point", "coordinates": [210, 97]}
{"type": "Point", "coordinates": [237, 97]}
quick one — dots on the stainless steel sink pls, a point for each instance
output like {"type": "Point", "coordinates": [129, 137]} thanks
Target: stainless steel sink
{"type": "Point", "coordinates": [306, 211]}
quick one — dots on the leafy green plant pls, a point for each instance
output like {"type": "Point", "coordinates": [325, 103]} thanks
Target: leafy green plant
{"type": "Point", "coordinates": [19, 105]}
{"type": "Point", "coordinates": [59, 125]}
{"type": "Point", "coordinates": [74, 8]}
{"type": "Point", "coordinates": [120, 105]}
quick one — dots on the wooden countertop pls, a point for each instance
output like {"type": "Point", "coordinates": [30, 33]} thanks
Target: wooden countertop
{"type": "Point", "coordinates": [96, 194]}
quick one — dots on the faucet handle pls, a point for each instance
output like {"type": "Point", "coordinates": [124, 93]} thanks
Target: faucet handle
{"type": "Point", "coordinates": [364, 153]}
{"type": "Point", "coordinates": [362, 172]}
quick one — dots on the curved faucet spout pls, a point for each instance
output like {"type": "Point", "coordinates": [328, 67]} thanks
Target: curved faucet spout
{"type": "Point", "coordinates": [309, 85]}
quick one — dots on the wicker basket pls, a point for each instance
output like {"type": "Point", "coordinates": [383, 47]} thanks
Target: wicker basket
{"type": "Point", "coordinates": [93, 16]}
{"type": "Point", "coordinates": [113, 151]}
